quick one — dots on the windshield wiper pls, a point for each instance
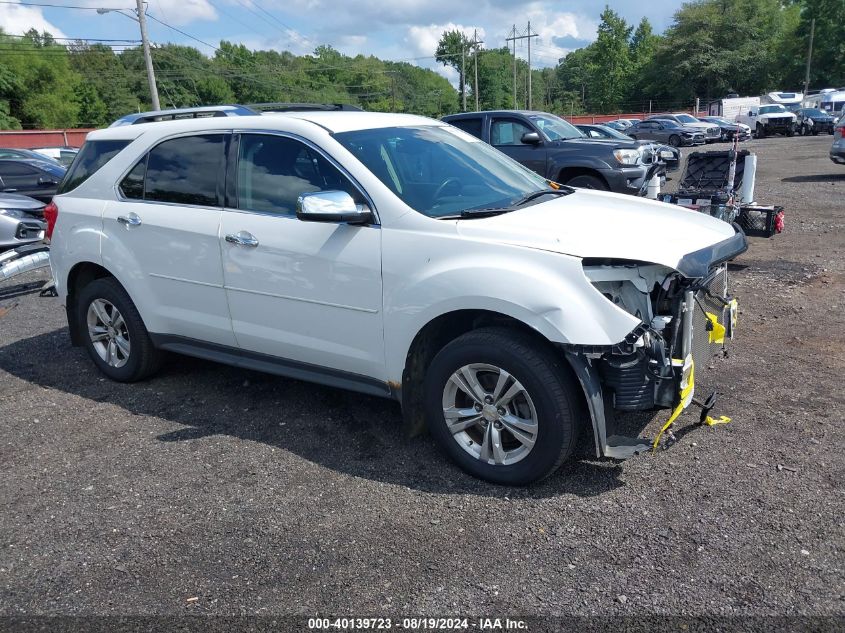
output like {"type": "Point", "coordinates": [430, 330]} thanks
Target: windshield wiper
{"type": "Point", "coordinates": [542, 192]}
{"type": "Point", "coordinates": [477, 213]}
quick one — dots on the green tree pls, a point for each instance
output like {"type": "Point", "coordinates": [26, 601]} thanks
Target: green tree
{"type": "Point", "coordinates": [611, 62]}
{"type": "Point", "coordinates": [451, 51]}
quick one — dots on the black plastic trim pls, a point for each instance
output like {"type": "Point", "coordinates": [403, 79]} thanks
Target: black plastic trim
{"type": "Point", "coordinates": [698, 264]}
{"type": "Point", "coordinates": [272, 365]}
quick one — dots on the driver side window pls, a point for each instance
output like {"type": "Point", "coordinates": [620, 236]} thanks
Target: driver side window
{"type": "Point", "coordinates": [508, 132]}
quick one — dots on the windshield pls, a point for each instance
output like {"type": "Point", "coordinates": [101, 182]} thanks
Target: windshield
{"type": "Point", "coordinates": [686, 118]}
{"type": "Point", "coordinates": [441, 171]}
{"type": "Point", "coordinates": [814, 112]}
{"type": "Point", "coordinates": [770, 109]}
{"type": "Point", "coordinates": [555, 128]}
{"type": "Point", "coordinates": [609, 131]}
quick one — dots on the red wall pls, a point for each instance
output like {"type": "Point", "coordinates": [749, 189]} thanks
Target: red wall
{"type": "Point", "coordinates": [27, 139]}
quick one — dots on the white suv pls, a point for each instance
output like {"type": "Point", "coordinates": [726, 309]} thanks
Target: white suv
{"type": "Point", "coordinates": [398, 256]}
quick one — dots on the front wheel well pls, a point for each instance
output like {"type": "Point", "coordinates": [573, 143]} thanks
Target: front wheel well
{"type": "Point", "coordinates": [433, 337]}
{"type": "Point", "coordinates": [568, 173]}
{"type": "Point", "coordinates": [80, 276]}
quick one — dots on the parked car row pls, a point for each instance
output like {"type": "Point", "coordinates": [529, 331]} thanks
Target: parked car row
{"type": "Point", "coordinates": [680, 129]}
{"type": "Point", "coordinates": [28, 181]}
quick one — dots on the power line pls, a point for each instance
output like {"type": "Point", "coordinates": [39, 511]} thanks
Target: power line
{"type": "Point", "coordinates": [60, 6]}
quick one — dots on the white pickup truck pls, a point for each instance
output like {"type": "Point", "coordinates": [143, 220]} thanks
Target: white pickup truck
{"type": "Point", "coordinates": [768, 119]}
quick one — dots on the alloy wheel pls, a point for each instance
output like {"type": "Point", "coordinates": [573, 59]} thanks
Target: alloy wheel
{"type": "Point", "coordinates": [108, 332]}
{"type": "Point", "coordinates": [490, 414]}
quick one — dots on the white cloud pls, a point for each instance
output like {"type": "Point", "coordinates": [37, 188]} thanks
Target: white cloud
{"type": "Point", "coordinates": [175, 12]}
{"type": "Point", "coordinates": [423, 39]}
{"type": "Point", "coordinates": [17, 20]}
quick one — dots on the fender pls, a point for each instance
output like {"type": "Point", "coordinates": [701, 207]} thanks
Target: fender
{"type": "Point", "coordinates": [546, 291]}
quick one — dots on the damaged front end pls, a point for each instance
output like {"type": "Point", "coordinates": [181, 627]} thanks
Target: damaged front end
{"type": "Point", "coordinates": [684, 320]}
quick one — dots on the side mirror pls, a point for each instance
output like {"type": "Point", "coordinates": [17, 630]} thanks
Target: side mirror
{"type": "Point", "coordinates": [531, 138]}
{"type": "Point", "coordinates": [750, 113]}
{"type": "Point", "coordinates": [331, 206]}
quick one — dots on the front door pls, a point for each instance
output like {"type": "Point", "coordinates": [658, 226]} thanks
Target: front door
{"type": "Point", "coordinates": [161, 238]}
{"type": "Point", "coordinates": [506, 135]}
{"type": "Point", "coordinates": [308, 292]}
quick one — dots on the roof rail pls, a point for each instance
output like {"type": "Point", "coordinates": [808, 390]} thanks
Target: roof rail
{"type": "Point", "coordinates": [303, 107]}
{"type": "Point", "coordinates": [184, 113]}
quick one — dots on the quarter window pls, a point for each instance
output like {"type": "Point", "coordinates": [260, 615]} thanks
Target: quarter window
{"type": "Point", "coordinates": [186, 170]}
{"type": "Point", "coordinates": [470, 126]}
{"type": "Point", "coordinates": [133, 184]}
{"type": "Point", "coordinates": [273, 171]}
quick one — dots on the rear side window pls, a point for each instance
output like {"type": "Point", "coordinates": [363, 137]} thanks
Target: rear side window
{"type": "Point", "coordinates": [470, 126]}
{"type": "Point", "coordinates": [92, 156]}
{"type": "Point", "coordinates": [186, 170]}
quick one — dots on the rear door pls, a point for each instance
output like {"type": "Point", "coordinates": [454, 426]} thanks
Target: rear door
{"type": "Point", "coordinates": [163, 236]}
{"type": "Point", "coordinates": [506, 135]}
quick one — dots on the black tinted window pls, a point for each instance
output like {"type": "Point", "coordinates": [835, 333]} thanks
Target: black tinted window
{"type": "Point", "coordinates": [186, 170]}
{"type": "Point", "coordinates": [92, 156]}
{"type": "Point", "coordinates": [11, 168]}
{"type": "Point", "coordinates": [470, 126]}
{"type": "Point", "coordinates": [273, 171]}
{"type": "Point", "coordinates": [132, 185]}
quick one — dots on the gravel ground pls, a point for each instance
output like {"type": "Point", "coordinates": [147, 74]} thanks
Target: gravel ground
{"type": "Point", "coordinates": [215, 490]}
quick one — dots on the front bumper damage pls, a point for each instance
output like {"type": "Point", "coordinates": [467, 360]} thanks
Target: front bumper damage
{"type": "Point", "coordinates": [655, 366]}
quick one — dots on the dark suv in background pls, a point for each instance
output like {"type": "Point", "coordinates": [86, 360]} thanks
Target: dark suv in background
{"type": "Point", "coordinates": [558, 151]}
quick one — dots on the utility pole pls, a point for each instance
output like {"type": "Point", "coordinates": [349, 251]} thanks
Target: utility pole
{"type": "Point", "coordinates": [145, 40]}
{"type": "Point", "coordinates": [463, 73]}
{"type": "Point", "coordinates": [809, 57]}
{"type": "Point", "coordinates": [475, 44]}
{"type": "Point", "coordinates": [516, 37]}
{"type": "Point", "coordinates": [141, 19]}
{"type": "Point", "coordinates": [513, 37]}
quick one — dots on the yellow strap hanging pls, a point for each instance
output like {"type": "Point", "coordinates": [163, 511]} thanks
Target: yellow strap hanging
{"type": "Point", "coordinates": [687, 391]}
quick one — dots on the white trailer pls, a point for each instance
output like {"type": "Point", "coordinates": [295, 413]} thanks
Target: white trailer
{"type": "Point", "coordinates": [789, 100]}
{"type": "Point", "coordinates": [830, 100]}
{"type": "Point", "coordinates": [732, 107]}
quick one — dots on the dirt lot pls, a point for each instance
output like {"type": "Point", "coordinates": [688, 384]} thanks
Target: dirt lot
{"type": "Point", "coordinates": [259, 495]}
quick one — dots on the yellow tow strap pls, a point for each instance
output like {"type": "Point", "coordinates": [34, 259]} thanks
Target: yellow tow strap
{"type": "Point", "coordinates": [722, 419]}
{"type": "Point", "coordinates": [717, 333]}
{"type": "Point", "coordinates": [687, 392]}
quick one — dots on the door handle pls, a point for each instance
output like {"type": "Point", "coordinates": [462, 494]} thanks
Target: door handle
{"type": "Point", "coordinates": [129, 220]}
{"type": "Point", "coordinates": [242, 238]}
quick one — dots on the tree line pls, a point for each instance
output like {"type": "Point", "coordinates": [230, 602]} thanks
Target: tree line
{"type": "Point", "coordinates": [712, 48]}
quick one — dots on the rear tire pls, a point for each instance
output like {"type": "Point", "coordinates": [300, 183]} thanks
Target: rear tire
{"type": "Point", "coordinates": [585, 181]}
{"type": "Point", "coordinates": [541, 390]}
{"type": "Point", "coordinates": [113, 332]}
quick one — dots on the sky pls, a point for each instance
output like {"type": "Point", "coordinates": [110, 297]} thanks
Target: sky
{"type": "Point", "coordinates": [399, 30]}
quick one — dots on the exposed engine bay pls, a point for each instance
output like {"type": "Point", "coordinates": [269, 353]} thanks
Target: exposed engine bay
{"type": "Point", "coordinates": [684, 323]}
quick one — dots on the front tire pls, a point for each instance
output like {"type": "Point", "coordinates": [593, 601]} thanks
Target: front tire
{"type": "Point", "coordinates": [675, 140]}
{"type": "Point", "coordinates": [585, 181]}
{"type": "Point", "coordinates": [761, 131]}
{"type": "Point", "coordinates": [502, 405]}
{"type": "Point", "coordinates": [113, 333]}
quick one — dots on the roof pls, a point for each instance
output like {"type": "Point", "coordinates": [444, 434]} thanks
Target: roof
{"type": "Point", "coordinates": [331, 121]}
{"type": "Point", "coordinates": [476, 113]}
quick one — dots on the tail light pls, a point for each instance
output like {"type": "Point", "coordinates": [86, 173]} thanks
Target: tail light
{"type": "Point", "coordinates": [51, 214]}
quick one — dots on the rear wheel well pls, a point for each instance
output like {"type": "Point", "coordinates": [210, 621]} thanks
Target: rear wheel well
{"type": "Point", "coordinates": [80, 276]}
{"type": "Point", "coordinates": [568, 173]}
{"type": "Point", "coordinates": [433, 337]}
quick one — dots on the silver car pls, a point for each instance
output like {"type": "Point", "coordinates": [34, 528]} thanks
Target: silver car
{"type": "Point", "coordinates": [21, 220]}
